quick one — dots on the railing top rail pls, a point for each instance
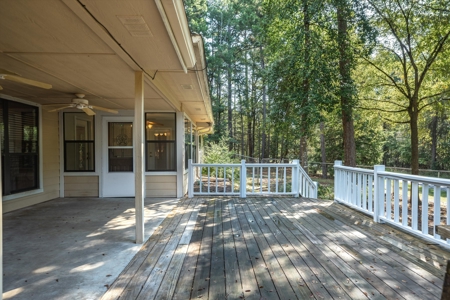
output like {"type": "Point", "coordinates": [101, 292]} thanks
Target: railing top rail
{"type": "Point", "coordinates": [423, 179]}
{"type": "Point", "coordinates": [216, 165]}
{"type": "Point", "coordinates": [270, 165]}
{"type": "Point", "coordinates": [247, 164]}
{"type": "Point", "coordinates": [361, 170]}
{"type": "Point", "coordinates": [306, 176]}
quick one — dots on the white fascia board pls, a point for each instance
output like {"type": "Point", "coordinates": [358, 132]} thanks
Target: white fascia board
{"type": "Point", "coordinates": [174, 17]}
{"type": "Point", "coordinates": [202, 76]}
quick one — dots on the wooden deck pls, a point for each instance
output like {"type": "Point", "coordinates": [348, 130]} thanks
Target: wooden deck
{"type": "Point", "coordinates": [279, 248]}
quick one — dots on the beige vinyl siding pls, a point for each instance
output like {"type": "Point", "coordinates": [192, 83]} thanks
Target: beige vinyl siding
{"type": "Point", "coordinates": [161, 186]}
{"type": "Point", "coordinates": [81, 186]}
{"type": "Point", "coordinates": [50, 156]}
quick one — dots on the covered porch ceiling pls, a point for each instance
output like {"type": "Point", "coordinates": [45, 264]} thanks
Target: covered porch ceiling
{"type": "Point", "coordinates": [94, 47]}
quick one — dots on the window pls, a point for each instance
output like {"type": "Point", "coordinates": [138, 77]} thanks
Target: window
{"type": "Point", "coordinates": [120, 146]}
{"type": "Point", "coordinates": [20, 146]}
{"type": "Point", "coordinates": [160, 138]}
{"type": "Point", "coordinates": [79, 143]}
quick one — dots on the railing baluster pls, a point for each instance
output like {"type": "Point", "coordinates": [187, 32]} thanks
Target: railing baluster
{"type": "Point", "coordinates": [209, 180]}
{"type": "Point", "coordinates": [424, 208]}
{"type": "Point", "coordinates": [388, 199]}
{"type": "Point", "coordinates": [224, 180]}
{"type": "Point", "coordinates": [437, 210]}
{"type": "Point", "coordinates": [201, 179]}
{"type": "Point", "coordinates": [396, 202]}
{"type": "Point", "coordinates": [253, 179]}
{"type": "Point", "coordinates": [415, 204]}
{"type": "Point", "coordinates": [359, 190]}
{"type": "Point", "coordinates": [448, 210]}
{"type": "Point", "coordinates": [364, 191]}
{"type": "Point", "coordinates": [276, 181]}
{"type": "Point", "coordinates": [217, 175]}
{"type": "Point", "coordinates": [260, 179]}
{"type": "Point", "coordinates": [370, 193]}
{"type": "Point", "coordinates": [268, 179]}
{"type": "Point", "coordinates": [405, 203]}
{"type": "Point", "coordinates": [284, 179]}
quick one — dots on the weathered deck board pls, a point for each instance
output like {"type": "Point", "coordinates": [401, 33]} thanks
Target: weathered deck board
{"type": "Point", "coordinates": [249, 279]}
{"type": "Point", "coordinates": [233, 283]}
{"type": "Point", "coordinates": [279, 248]}
{"type": "Point", "coordinates": [335, 281]}
{"type": "Point", "coordinates": [116, 289]}
{"type": "Point", "coordinates": [183, 287]}
{"type": "Point", "coordinates": [395, 263]}
{"type": "Point", "coordinates": [392, 268]}
{"type": "Point", "coordinates": [200, 287]}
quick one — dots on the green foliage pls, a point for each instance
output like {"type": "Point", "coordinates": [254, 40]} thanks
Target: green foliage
{"type": "Point", "coordinates": [218, 153]}
{"type": "Point", "coordinates": [285, 55]}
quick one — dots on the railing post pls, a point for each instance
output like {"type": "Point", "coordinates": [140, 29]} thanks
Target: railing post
{"type": "Point", "coordinates": [190, 179]}
{"type": "Point", "coordinates": [316, 191]}
{"type": "Point", "coordinates": [337, 181]}
{"type": "Point", "coordinates": [243, 181]}
{"type": "Point", "coordinates": [379, 193]}
{"type": "Point", "coordinates": [296, 178]}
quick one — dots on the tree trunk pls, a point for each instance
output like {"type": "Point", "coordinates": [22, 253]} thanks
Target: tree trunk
{"type": "Point", "coordinates": [242, 133]}
{"type": "Point", "coordinates": [249, 135]}
{"type": "Point", "coordinates": [306, 87]}
{"type": "Point", "coordinates": [322, 151]}
{"type": "Point", "coordinates": [433, 133]}
{"type": "Point", "coordinates": [346, 84]}
{"type": "Point", "coordinates": [230, 111]}
{"type": "Point", "coordinates": [304, 152]}
{"type": "Point", "coordinates": [413, 124]}
{"type": "Point", "coordinates": [264, 116]}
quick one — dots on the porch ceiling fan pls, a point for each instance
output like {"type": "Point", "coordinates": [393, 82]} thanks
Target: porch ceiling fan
{"type": "Point", "coordinates": [11, 76]}
{"type": "Point", "coordinates": [80, 103]}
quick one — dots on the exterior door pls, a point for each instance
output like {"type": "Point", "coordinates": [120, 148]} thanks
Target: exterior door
{"type": "Point", "coordinates": [118, 157]}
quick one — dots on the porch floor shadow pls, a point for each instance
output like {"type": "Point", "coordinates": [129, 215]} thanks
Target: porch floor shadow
{"type": "Point", "coordinates": [279, 248]}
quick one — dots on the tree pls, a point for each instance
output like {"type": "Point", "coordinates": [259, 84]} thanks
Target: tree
{"type": "Point", "coordinates": [412, 36]}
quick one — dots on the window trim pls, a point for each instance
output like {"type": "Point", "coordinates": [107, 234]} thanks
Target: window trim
{"type": "Point", "coordinates": [40, 188]}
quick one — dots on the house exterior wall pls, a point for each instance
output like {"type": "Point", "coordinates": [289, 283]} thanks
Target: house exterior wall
{"type": "Point", "coordinates": [51, 161]}
{"type": "Point", "coordinates": [161, 186]}
{"type": "Point", "coordinates": [81, 186]}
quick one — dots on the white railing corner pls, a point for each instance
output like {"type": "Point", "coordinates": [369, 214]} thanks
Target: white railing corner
{"type": "Point", "coordinates": [190, 179]}
{"type": "Point", "coordinates": [243, 181]}
{"type": "Point", "coordinates": [296, 178]}
{"type": "Point", "coordinates": [378, 209]}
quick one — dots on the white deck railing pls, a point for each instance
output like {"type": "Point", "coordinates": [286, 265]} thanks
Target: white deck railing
{"type": "Point", "coordinates": [250, 179]}
{"type": "Point", "coordinates": [416, 204]}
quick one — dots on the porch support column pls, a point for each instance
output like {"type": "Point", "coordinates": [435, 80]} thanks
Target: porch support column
{"type": "Point", "coordinates": [138, 133]}
{"type": "Point", "coordinates": [180, 153]}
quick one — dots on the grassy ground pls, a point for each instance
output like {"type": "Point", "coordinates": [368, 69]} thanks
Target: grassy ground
{"type": "Point", "coordinates": [326, 188]}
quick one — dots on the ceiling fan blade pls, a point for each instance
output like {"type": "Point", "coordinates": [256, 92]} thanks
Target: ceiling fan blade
{"type": "Point", "coordinates": [105, 109]}
{"type": "Point", "coordinates": [88, 111]}
{"type": "Point", "coordinates": [19, 79]}
{"type": "Point", "coordinates": [59, 108]}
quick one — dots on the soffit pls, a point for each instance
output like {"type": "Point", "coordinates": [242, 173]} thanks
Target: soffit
{"type": "Point", "coordinates": [61, 43]}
